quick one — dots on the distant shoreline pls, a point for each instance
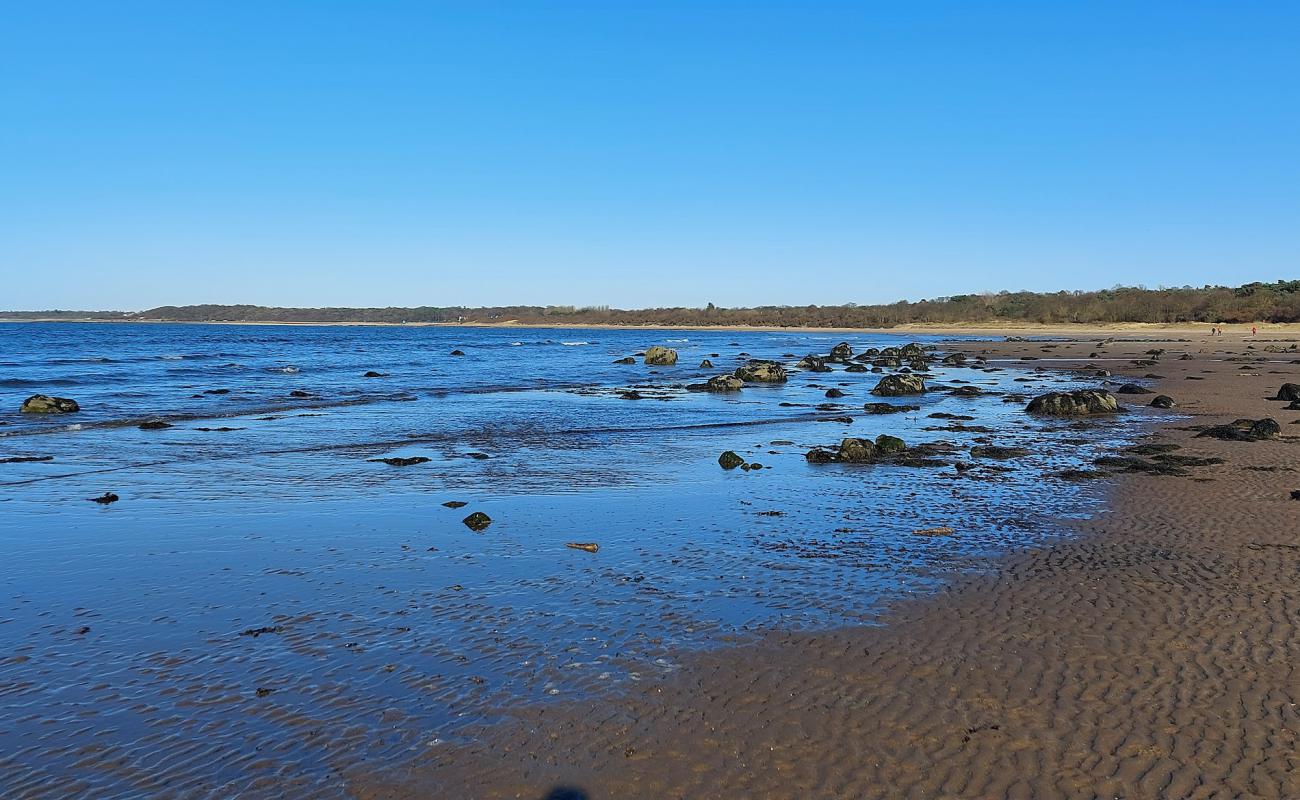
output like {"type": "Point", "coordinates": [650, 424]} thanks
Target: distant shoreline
{"type": "Point", "coordinates": [975, 328]}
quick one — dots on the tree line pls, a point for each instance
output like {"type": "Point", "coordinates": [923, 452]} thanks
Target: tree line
{"type": "Point", "coordinates": [1252, 302]}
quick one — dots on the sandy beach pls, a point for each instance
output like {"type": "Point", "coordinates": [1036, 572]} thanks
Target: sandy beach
{"type": "Point", "coordinates": [1151, 654]}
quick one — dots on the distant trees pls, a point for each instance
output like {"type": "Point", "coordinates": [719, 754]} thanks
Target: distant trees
{"type": "Point", "coordinates": [1265, 302]}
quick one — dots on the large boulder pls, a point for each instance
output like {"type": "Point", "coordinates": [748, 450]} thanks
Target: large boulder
{"type": "Point", "coordinates": [761, 372]}
{"type": "Point", "coordinates": [842, 351]}
{"type": "Point", "coordinates": [911, 350]}
{"type": "Point", "coordinates": [1289, 391]}
{"type": "Point", "coordinates": [729, 460]}
{"type": "Point", "coordinates": [44, 404]}
{"type": "Point", "coordinates": [1074, 404]}
{"type": "Point", "coordinates": [898, 385]}
{"type": "Point", "coordinates": [661, 356]}
{"type": "Point", "coordinates": [889, 445]}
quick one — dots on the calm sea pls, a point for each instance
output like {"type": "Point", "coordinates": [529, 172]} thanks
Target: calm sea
{"type": "Point", "coordinates": [129, 666]}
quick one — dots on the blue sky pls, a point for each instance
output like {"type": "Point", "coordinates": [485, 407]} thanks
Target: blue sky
{"type": "Point", "coordinates": [638, 154]}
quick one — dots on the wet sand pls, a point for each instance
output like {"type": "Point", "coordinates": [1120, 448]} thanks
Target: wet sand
{"type": "Point", "coordinates": [1152, 654]}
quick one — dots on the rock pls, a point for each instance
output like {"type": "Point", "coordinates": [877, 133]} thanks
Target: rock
{"type": "Point", "coordinates": [856, 451]}
{"type": "Point", "coordinates": [820, 455]}
{"type": "Point", "coordinates": [478, 521]}
{"type": "Point", "coordinates": [1244, 430]}
{"type": "Point", "coordinates": [761, 372]}
{"type": "Point", "coordinates": [373, 374]}
{"type": "Point", "coordinates": [889, 445]}
{"type": "Point", "coordinates": [630, 394]}
{"type": "Point", "coordinates": [842, 351]}
{"type": "Point", "coordinates": [997, 452]}
{"type": "Point", "coordinates": [300, 393]}
{"type": "Point", "coordinates": [888, 408]}
{"type": "Point", "coordinates": [400, 462]}
{"type": "Point", "coordinates": [855, 367]}
{"type": "Point", "coordinates": [1162, 401]}
{"type": "Point", "coordinates": [660, 356]}
{"type": "Point", "coordinates": [911, 350]}
{"type": "Point", "coordinates": [626, 360]}
{"type": "Point", "coordinates": [1295, 494]}
{"type": "Point", "coordinates": [25, 459]}
{"type": "Point", "coordinates": [457, 353]}
{"type": "Point", "coordinates": [590, 547]}
{"type": "Point", "coordinates": [896, 385]}
{"type": "Point", "coordinates": [455, 504]}
{"type": "Point", "coordinates": [1076, 403]}
{"type": "Point", "coordinates": [833, 392]}
{"type": "Point", "coordinates": [887, 361]}
{"type": "Point", "coordinates": [154, 425]}
{"type": "Point", "coordinates": [718, 383]}
{"type": "Point", "coordinates": [813, 363]}
{"type": "Point", "coordinates": [105, 498]}
{"type": "Point", "coordinates": [1133, 388]}
{"type": "Point", "coordinates": [216, 391]}
{"type": "Point", "coordinates": [706, 364]}
{"type": "Point", "coordinates": [729, 460]}
{"type": "Point", "coordinates": [44, 404]}
{"type": "Point", "coordinates": [967, 391]}
{"type": "Point", "coordinates": [954, 360]}
{"type": "Point", "coordinates": [1289, 391]}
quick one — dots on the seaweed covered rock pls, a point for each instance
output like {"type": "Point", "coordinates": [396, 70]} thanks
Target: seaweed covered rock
{"type": "Point", "coordinates": [887, 445]}
{"type": "Point", "coordinates": [660, 356]}
{"type": "Point", "coordinates": [718, 383]}
{"type": "Point", "coordinates": [761, 372]}
{"type": "Point", "coordinates": [898, 385]}
{"type": "Point", "coordinates": [477, 522]}
{"type": "Point", "coordinates": [44, 404]}
{"type": "Point", "coordinates": [625, 360]}
{"type": "Point", "coordinates": [888, 408]}
{"type": "Point", "coordinates": [729, 460]}
{"type": "Point", "coordinates": [954, 360]}
{"type": "Point", "coordinates": [911, 350]}
{"type": "Point", "coordinates": [842, 351]}
{"type": "Point", "coordinates": [1289, 391]}
{"type": "Point", "coordinates": [998, 452]}
{"type": "Point", "coordinates": [1244, 430]}
{"type": "Point", "coordinates": [1073, 404]}
{"type": "Point", "coordinates": [820, 455]}
{"type": "Point", "coordinates": [1133, 388]}
{"type": "Point", "coordinates": [1162, 401]}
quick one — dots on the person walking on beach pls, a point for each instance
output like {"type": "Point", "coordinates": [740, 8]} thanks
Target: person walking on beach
{"type": "Point", "coordinates": [1253, 332]}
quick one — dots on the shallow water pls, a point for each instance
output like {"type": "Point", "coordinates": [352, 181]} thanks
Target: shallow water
{"type": "Point", "coordinates": [125, 671]}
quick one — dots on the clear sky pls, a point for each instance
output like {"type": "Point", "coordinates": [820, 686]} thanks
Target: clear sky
{"type": "Point", "coordinates": [636, 154]}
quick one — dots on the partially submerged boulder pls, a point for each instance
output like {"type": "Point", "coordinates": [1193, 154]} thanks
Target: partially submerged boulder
{"type": "Point", "coordinates": [898, 385]}
{"type": "Point", "coordinates": [729, 460]}
{"type": "Point", "coordinates": [44, 404]}
{"type": "Point", "coordinates": [888, 408]}
{"type": "Point", "coordinates": [813, 363]}
{"type": "Point", "coordinates": [889, 445]}
{"type": "Point", "coordinates": [1133, 388]}
{"type": "Point", "coordinates": [718, 383]}
{"type": "Point", "coordinates": [842, 351]}
{"type": "Point", "coordinates": [477, 522]}
{"type": "Point", "coordinates": [761, 372]}
{"type": "Point", "coordinates": [706, 364]}
{"type": "Point", "coordinates": [660, 356]}
{"type": "Point", "coordinates": [1073, 404]}
{"type": "Point", "coordinates": [856, 451]}
{"type": "Point", "coordinates": [1162, 401]}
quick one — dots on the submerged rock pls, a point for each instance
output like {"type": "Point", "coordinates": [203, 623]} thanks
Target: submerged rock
{"type": "Point", "coordinates": [25, 459]}
{"type": "Point", "coordinates": [997, 451]}
{"type": "Point", "coordinates": [761, 372]}
{"type": "Point", "coordinates": [660, 356]}
{"type": "Point", "coordinates": [833, 392]}
{"type": "Point", "coordinates": [478, 521]}
{"type": "Point", "coordinates": [105, 498]}
{"type": "Point", "coordinates": [888, 408]}
{"type": "Point", "coordinates": [400, 462]}
{"type": "Point", "coordinates": [1076, 403]}
{"type": "Point", "coordinates": [706, 364]}
{"type": "Point", "coordinates": [154, 425]}
{"type": "Point", "coordinates": [44, 404]}
{"type": "Point", "coordinates": [373, 374]}
{"type": "Point", "coordinates": [625, 360]}
{"type": "Point", "coordinates": [897, 385]}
